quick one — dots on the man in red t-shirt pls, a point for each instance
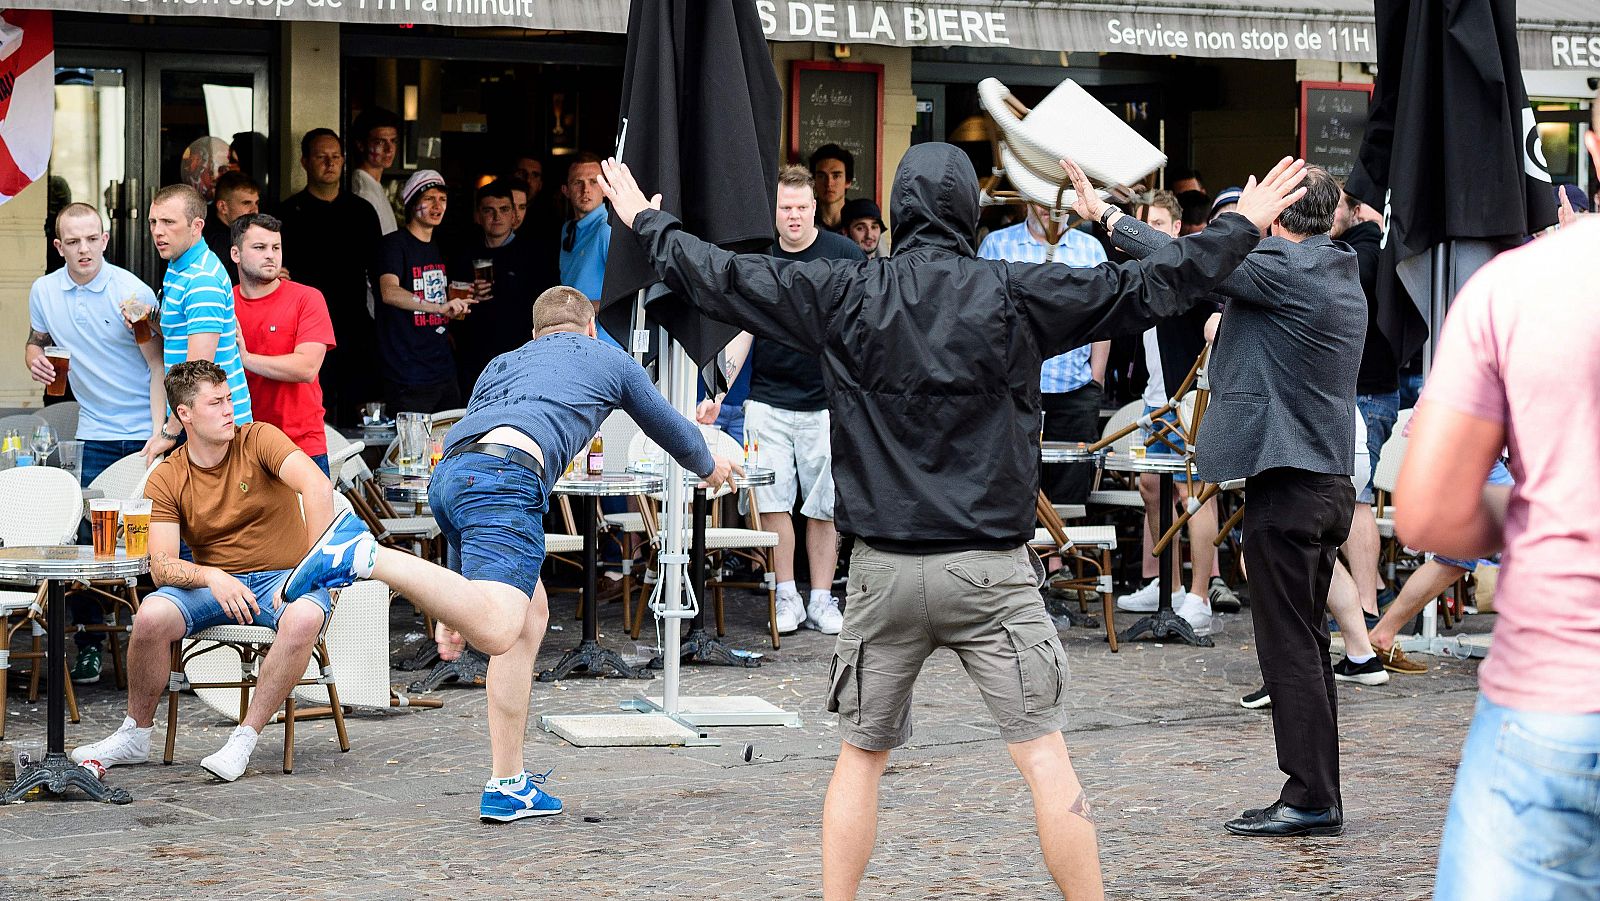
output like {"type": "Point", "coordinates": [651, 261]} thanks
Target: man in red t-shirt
{"type": "Point", "coordinates": [286, 331]}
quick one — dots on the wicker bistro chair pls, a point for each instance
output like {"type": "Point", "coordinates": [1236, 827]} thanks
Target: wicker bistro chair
{"type": "Point", "coordinates": [39, 505]}
{"type": "Point", "coordinates": [24, 423]}
{"type": "Point", "coordinates": [750, 542]}
{"type": "Point", "coordinates": [1085, 554]}
{"type": "Point", "coordinates": [123, 480]}
{"type": "Point", "coordinates": [1392, 553]}
{"type": "Point", "coordinates": [1118, 497]}
{"type": "Point", "coordinates": [62, 417]}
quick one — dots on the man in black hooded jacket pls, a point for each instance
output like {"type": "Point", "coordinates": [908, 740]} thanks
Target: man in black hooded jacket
{"type": "Point", "coordinates": [931, 360]}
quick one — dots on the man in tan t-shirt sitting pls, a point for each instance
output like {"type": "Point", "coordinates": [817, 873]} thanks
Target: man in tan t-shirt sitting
{"type": "Point", "coordinates": [234, 495]}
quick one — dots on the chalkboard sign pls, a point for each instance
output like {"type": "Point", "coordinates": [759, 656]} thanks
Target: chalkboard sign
{"type": "Point", "coordinates": [1333, 121]}
{"type": "Point", "coordinates": [839, 103]}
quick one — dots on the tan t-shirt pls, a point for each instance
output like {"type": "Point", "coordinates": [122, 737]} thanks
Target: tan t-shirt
{"type": "Point", "coordinates": [238, 515]}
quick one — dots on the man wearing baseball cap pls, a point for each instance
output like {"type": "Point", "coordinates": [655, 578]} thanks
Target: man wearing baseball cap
{"type": "Point", "coordinates": [862, 222]}
{"type": "Point", "coordinates": [419, 371]}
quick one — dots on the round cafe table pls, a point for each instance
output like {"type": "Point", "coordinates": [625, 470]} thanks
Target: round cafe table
{"type": "Point", "coordinates": [699, 645]}
{"type": "Point", "coordinates": [1068, 452]}
{"type": "Point", "coordinates": [589, 658]}
{"type": "Point", "coordinates": [1165, 622]}
{"type": "Point", "coordinates": [55, 566]}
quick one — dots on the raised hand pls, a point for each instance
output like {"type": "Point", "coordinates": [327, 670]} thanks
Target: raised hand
{"type": "Point", "coordinates": [1262, 202]}
{"type": "Point", "coordinates": [1088, 204]}
{"type": "Point", "coordinates": [617, 183]}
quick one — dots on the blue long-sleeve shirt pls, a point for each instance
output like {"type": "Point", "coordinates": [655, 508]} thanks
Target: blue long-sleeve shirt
{"type": "Point", "coordinates": [559, 388]}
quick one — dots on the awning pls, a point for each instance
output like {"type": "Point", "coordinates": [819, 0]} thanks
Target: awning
{"type": "Point", "coordinates": [1553, 34]}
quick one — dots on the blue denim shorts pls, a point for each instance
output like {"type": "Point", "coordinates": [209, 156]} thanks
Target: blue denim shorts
{"type": "Point", "coordinates": [201, 611]}
{"type": "Point", "coordinates": [1498, 475]}
{"type": "Point", "coordinates": [1524, 822]}
{"type": "Point", "coordinates": [1168, 444]}
{"type": "Point", "coordinates": [492, 515]}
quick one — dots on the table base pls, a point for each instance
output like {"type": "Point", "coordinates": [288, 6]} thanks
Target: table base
{"type": "Point", "coordinates": [419, 654]}
{"type": "Point", "coordinates": [1163, 624]}
{"type": "Point", "coordinates": [700, 646]}
{"type": "Point", "coordinates": [470, 669]}
{"type": "Point", "coordinates": [57, 774]}
{"type": "Point", "coordinates": [593, 660]}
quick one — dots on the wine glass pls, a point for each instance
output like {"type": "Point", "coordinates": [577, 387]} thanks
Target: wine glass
{"type": "Point", "coordinates": [44, 441]}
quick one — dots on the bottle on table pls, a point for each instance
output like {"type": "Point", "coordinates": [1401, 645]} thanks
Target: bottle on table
{"type": "Point", "coordinates": [597, 455]}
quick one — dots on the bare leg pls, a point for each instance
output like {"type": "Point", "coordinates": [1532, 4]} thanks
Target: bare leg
{"type": "Point", "coordinates": [783, 560]}
{"type": "Point", "coordinates": [1202, 553]}
{"type": "Point", "coordinates": [1346, 611]}
{"type": "Point", "coordinates": [822, 546]}
{"type": "Point", "coordinates": [298, 626]}
{"type": "Point", "coordinates": [488, 614]}
{"type": "Point", "coordinates": [1150, 490]}
{"type": "Point", "coordinates": [510, 682]}
{"type": "Point", "coordinates": [1425, 584]}
{"type": "Point", "coordinates": [1066, 832]}
{"type": "Point", "coordinates": [157, 626]}
{"type": "Point", "coordinates": [850, 820]}
{"type": "Point", "coordinates": [1361, 549]}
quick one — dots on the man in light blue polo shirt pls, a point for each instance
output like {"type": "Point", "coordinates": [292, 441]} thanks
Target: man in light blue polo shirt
{"type": "Point", "coordinates": [586, 237]}
{"type": "Point", "coordinates": [116, 381]}
{"type": "Point", "coordinates": [197, 321]}
{"type": "Point", "coordinates": [1071, 383]}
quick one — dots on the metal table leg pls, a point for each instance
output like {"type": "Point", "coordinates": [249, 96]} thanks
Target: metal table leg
{"type": "Point", "coordinates": [1165, 623]}
{"type": "Point", "coordinates": [589, 656]}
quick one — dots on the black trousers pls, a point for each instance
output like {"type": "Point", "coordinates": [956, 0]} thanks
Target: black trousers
{"type": "Point", "coordinates": [1294, 522]}
{"type": "Point", "coordinates": [1070, 416]}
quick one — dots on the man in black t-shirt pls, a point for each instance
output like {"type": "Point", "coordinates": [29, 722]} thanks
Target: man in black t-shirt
{"type": "Point", "coordinates": [787, 418]}
{"type": "Point", "coordinates": [330, 237]}
{"type": "Point", "coordinates": [520, 270]}
{"type": "Point", "coordinates": [419, 371]}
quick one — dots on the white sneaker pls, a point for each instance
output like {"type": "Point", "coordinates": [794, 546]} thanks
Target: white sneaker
{"type": "Point", "coordinates": [128, 745]}
{"type": "Point", "coordinates": [1142, 601]}
{"type": "Point", "coordinates": [824, 616]}
{"type": "Point", "coordinates": [1196, 610]}
{"type": "Point", "coordinates": [791, 612]}
{"type": "Point", "coordinates": [229, 762]}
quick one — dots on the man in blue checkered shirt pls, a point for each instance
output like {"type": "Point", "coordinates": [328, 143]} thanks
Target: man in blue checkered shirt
{"type": "Point", "coordinates": [1071, 384]}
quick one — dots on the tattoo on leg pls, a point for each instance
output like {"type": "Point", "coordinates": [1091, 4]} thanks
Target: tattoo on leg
{"type": "Point", "coordinates": [1080, 807]}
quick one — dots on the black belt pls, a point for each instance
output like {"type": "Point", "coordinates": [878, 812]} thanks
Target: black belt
{"type": "Point", "coordinates": [505, 452]}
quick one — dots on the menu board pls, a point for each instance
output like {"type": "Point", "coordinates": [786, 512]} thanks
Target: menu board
{"type": "Point", "coordinates": [839, 103]}
{"type": "Point", "coordinates": [1333, 122]}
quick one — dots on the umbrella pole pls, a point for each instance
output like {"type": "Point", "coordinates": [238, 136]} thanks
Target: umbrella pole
{"type": "Point", "coordinates": [674, 569]}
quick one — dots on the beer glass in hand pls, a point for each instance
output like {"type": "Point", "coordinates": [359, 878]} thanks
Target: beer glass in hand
{"type": "Point", "coordinates": [61, 359]}
{"type": "Point", "coordinates": [138, 315]}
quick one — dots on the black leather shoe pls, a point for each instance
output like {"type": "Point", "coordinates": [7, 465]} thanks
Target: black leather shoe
{"type": "Point", "coordinates": [1283, 820]}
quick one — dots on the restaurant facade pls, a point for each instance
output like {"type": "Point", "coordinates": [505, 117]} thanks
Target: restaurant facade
{"type": "Point", "coordinates": [1224, 87]}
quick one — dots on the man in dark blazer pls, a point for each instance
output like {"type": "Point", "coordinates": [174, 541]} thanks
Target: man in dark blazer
{"type": "Point", "coordinates": [1282, 417]}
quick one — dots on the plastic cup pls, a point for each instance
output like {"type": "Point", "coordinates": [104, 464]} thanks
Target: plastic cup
{"type": "Point", "coordinates": [61, 359]}
{"type": "Point", "coordinates": [136, 527]}
{"type": "Point", "coordinates": [103, 524]}
{"type": "Point", "coordinates": [69, 456]}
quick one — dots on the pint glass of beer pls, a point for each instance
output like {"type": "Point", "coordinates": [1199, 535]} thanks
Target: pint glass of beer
{"type": "Point", "coordinates": [103, 523]}
{"type": "Point", "coordinates": [61, 359]}
{"type": "Point", "coordinates": [139, 315]}
{"type": "Point", "coordinates": [136, 527]}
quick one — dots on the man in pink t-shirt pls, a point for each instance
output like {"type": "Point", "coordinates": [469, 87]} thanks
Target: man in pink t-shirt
{"type": "Point", "coordinates": [287, 331]}
{"type": "Point", "coordinates": [1519, 367]}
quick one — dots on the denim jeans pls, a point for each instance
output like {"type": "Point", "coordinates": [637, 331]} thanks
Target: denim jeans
{"type": "Point", "coordinates": [1524, 821]}
{"type": "Point", "coordinates": [1380, 412]}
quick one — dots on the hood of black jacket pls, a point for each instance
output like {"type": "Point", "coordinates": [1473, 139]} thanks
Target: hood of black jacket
{"type": "Point", "coordinates": [934, 203]}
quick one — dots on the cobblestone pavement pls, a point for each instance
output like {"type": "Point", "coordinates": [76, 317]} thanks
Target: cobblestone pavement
{"type": "Point", "coordinates": [1156, 734]}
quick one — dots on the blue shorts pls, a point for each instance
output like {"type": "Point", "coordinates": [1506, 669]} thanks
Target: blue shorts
{"type": "Point", "coordinates": [1169, 444]}
{"type": "Point", "coordinates": [1498, 475]}
{"type": "Point", "coordinates": [491, 513]}
{"type": "Point", "coordinates": [201, 611]}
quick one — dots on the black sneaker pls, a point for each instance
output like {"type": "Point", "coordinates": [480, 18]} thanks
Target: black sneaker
{"type": "Point", "coordinates": [1257, 699]}
{"type": "Point", "coordinates": [86, 669]}
{"type": "Point", "coordinates": [1223, 600]}
{"type": "Point", "coordinates": [1369, 673]}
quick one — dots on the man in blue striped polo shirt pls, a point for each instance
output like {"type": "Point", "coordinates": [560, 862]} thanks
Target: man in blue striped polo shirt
{"type": "Point", "coordinates": [197, 320]}
{"type": "Point", "coordinates": [1071, 383]}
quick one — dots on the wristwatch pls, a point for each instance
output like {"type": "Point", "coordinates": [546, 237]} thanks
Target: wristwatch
{"type": "Point", "coordinates": [1106, 214]}
{"type": "Point", "coordinates": [164, 434]}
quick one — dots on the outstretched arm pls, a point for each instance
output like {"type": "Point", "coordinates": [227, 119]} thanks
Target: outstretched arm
{"type": "Point", "coordinates": [789, 302]}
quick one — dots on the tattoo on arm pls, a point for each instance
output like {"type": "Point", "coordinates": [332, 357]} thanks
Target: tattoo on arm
{"type": "Point", "coordinates": [38, 338]}
{"type": "Point", "coordinates": [1080, 807]}
{"type": "Point", "coordinates": [166, 569]}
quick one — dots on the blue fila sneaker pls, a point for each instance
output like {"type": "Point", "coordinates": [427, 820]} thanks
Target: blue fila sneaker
{"type": "Point", "coordinates": [504, 803]}
{"type": "Point", "coordinates": [343, 554]}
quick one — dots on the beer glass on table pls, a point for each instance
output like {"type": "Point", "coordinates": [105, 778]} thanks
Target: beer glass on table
{"type": "Point", "coordinates": [61, 359]}
{"type": "Point", "coordinates": [103, 525]}
{"type": "Point", "coordinates": [413, 434]}
{"type": "Point", "coordinates": [69, 456]}
{"type": "Point", "coordinates": [136, 527]}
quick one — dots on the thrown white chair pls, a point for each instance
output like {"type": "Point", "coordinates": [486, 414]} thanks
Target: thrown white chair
{"type": "Point", "coordinates": [39, 505]}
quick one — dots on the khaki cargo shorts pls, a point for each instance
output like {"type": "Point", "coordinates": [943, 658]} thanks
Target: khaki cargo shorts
{"type": "Point", "coordinates": [984, 605]}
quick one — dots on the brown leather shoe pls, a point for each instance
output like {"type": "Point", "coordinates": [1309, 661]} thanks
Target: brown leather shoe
{"type": "Point", "coordinates": [1396, 661]}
